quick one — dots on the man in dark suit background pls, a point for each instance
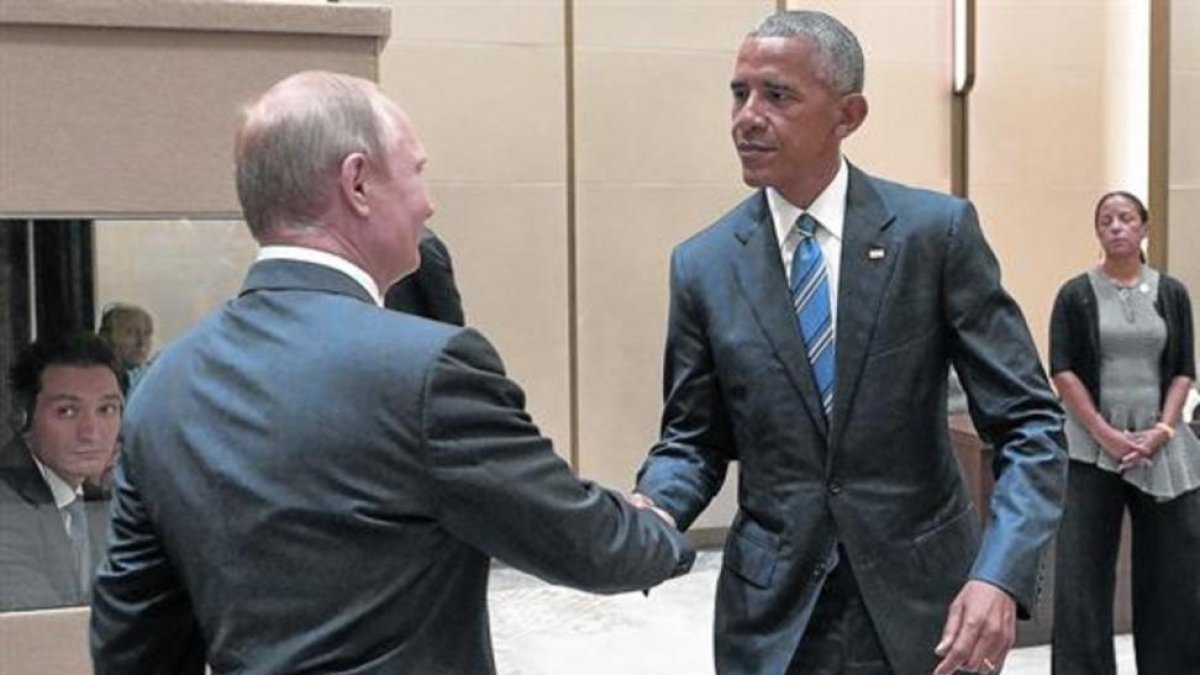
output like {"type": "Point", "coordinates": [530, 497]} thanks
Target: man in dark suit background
{"type": "Point", "coordinates": [52, 524]}
{"type": "Point", "coordinates": [810, 333]}
{"type": "Point", "coordinates": [312, 484]}
{"type": "Point", "coordinates": [430, 291]}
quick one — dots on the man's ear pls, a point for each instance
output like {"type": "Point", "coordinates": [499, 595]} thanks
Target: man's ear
{"type": "Point", "coordinates": [352, 182]}
{"type": "Point", "coordinates": [852, 109]}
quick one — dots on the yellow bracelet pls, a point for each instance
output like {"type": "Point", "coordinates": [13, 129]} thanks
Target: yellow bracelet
{"type": "Point", "coordinates": [1166, 428]}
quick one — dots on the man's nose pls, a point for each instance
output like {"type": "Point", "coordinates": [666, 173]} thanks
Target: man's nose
{"type": "Point", "coordinates": [749, 114]}
{"type": "Point", "coordinates": [89, 426]}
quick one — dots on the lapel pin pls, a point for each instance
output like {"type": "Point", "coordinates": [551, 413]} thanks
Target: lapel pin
{"type": "Point", "coordinates": [875, 254]}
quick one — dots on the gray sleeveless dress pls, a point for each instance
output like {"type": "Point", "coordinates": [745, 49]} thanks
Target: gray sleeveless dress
{"type": "Point", "coordinates": [1132, 338]}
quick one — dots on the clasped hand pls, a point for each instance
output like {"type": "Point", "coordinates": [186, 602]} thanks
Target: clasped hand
{"type": "Point", "coordinates": [1132, 448]}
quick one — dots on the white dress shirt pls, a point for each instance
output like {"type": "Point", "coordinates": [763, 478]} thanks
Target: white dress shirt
{"type": "Point", "coordinates": [63, 493]}
{"type": "Point", "coordinates": [312, 255]}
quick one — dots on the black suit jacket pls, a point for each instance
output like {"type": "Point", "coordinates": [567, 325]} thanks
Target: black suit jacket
{"type": "Point", "coordinates": [919, 289]}
{"type": "Point", "coordinates": [430, 291]}
{"type": "Point", "coordinates": [310, 484]}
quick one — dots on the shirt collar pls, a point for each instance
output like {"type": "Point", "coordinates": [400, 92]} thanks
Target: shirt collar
{"type": "Point", "coordinates": [63, 493]}
{"type": "Point", "coordinates": [325, 259]}
{"type": "Point", "coordinates": [829, 208]}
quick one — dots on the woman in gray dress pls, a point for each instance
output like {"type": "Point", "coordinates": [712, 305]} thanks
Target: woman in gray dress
{"type": "Point", "coordinates": [1121, 356]}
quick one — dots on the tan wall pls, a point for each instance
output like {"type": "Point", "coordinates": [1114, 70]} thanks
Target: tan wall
{"type": "Point", "coordinates": [1038, 134]}
{"type": "Point", "coordinates": [653, 164]}
{"type": "Point", "coordinates": [485, 84]}
{"type": "Point", "coordinates": [1183, 232]}
{"type": "Point", "coordinates": [128, 108]}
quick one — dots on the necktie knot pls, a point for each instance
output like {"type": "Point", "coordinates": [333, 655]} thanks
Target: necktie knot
{"type": "Point", "coordinates": [807, 225]}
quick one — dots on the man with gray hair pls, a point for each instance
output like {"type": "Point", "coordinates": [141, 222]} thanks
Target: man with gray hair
{"type": "Point", "coordinates": [313, 484]}
{"type": "Point", "coordinates": [809, 337]}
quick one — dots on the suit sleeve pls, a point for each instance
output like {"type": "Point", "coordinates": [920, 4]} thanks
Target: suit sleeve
{"type": "Point", "coordinates": [142, 621]}
{"type": "Point", "coordinates": [1013, 409]}
{"type": "Point", "coordinates": [501, 488]}
{"type": "Point", "coordinates": [687, 466]}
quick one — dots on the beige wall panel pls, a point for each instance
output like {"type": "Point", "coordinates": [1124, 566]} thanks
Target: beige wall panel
{"type": "Point", "coordinates": [486, 113]}
{"type": "Point", "coordinates": [491, 22]}
{"type": "Point", "coordinates": [667, 25]}
{"type": "Point", "coordinates": [655, 164]}
{"type": "Point", "coordinates": [1183, 260]}
{"type": "Point", "coordinates": [1016, 140]}
{"type": "Point", "coordinates": [1185, 35]}
{"type": "Point", "coordinates": [654, 117]}
{"type": "Point", "coordinates": [485, 84]}
{"type": "Point", "coordinates": [1183, 231]}
{"type": "Point", "coordinates": [509, 247]}
{"type": "Point", "coordinates": [626, 233]}
{"type": "Point", "coordinates": [1185, 129]}
{"type": "Point", "coordinates": [906, 136]}
{"type": "Point", "coordinates": [1037, 35]}
{"type": "Point", "coordinates": [906, 45]}
{"type": "Point", "coordinates": [138, 121]}
{"type": "Point", "coordinates": [1042, 237]}
{"type": "Point", "coordinates": [1038, 133]}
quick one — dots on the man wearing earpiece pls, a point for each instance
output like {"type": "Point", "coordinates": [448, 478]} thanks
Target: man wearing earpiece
{"type": "Point", "coordinates": [52, 529]}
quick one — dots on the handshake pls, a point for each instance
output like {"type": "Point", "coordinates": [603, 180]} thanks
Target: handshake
{"type": "Point", "coordinates": [641, 501]}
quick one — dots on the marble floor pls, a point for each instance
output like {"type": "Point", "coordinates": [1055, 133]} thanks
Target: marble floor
{"type": "Point", "coordinates": [539, 629]}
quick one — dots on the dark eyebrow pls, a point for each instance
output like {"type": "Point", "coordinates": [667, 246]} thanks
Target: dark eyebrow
{"type": "Point", "coordinates": [64, 397]}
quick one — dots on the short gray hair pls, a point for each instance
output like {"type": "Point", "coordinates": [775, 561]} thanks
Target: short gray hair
{"type": "Point", "coordinates": [839, 54]}
{"type": "Point", "coordinates": [293, 140]}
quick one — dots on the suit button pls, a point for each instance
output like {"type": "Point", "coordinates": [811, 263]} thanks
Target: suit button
{"type": "Point", "coordinates": [835, 487]}
{"type": "Point", "coordinates": [818, 571]}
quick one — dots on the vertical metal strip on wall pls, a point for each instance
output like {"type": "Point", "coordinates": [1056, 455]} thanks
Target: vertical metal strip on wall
{"type": "Point", "coordinates": [572, 242]}
{"type": "Point", "coordinates": [1160, 133]}
{"type": "Point", "coordinates": [962, 63]}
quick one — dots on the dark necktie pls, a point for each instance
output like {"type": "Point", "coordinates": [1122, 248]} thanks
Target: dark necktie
{"type": "Point", "coordinates": [811, 302]}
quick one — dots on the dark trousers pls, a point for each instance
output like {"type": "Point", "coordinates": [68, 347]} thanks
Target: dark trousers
{"type": "Point", "coordinates": [1166, 577]}
{"type": "Point", "coordinates": [840, 639]}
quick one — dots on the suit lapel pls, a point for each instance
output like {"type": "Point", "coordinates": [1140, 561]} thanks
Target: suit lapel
{"type": "Point", "coordinates": [30, 485]}
{"type": "Point", "coordinates": [760, 275]}
{"type": "Point", "coordinates": [866, 267]}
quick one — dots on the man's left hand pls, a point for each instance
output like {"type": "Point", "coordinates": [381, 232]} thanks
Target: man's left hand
{"type": "Point", "coordinates": [980, 629]}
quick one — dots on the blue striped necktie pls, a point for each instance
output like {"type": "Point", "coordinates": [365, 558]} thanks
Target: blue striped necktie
{"type": "Point", "coordinates": [811, 302]}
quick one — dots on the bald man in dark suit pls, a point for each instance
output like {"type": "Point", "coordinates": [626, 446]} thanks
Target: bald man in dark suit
{"type": "Point", "coordinates": [312, 484]}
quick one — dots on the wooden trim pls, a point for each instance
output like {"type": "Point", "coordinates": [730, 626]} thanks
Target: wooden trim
{"type": "Point", "coordinates": [247, 16]}
{"type": "Point", "coordinates": [1160, 132]}
{"type": "Point", "coordinates": [572, 239]}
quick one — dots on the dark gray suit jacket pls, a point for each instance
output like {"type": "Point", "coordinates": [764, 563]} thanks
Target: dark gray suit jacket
{"type": "Point", "coordinates": [311, 484]}
{"type": "Point", "coordinates": [919, 289]}
{"type": "Point", "coordinates": [37, 569]}
{"type": "Point", "coordinates": [430, 291]}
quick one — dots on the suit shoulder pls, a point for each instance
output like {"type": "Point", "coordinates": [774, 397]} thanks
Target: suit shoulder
{"type": "Point", "coordinates": [718, 232]}
{"type": "Point", "coordinates": [908, 198]}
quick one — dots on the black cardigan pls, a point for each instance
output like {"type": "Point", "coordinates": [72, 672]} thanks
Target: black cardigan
{"type": "Point", "coordinates": [1075, 333]}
